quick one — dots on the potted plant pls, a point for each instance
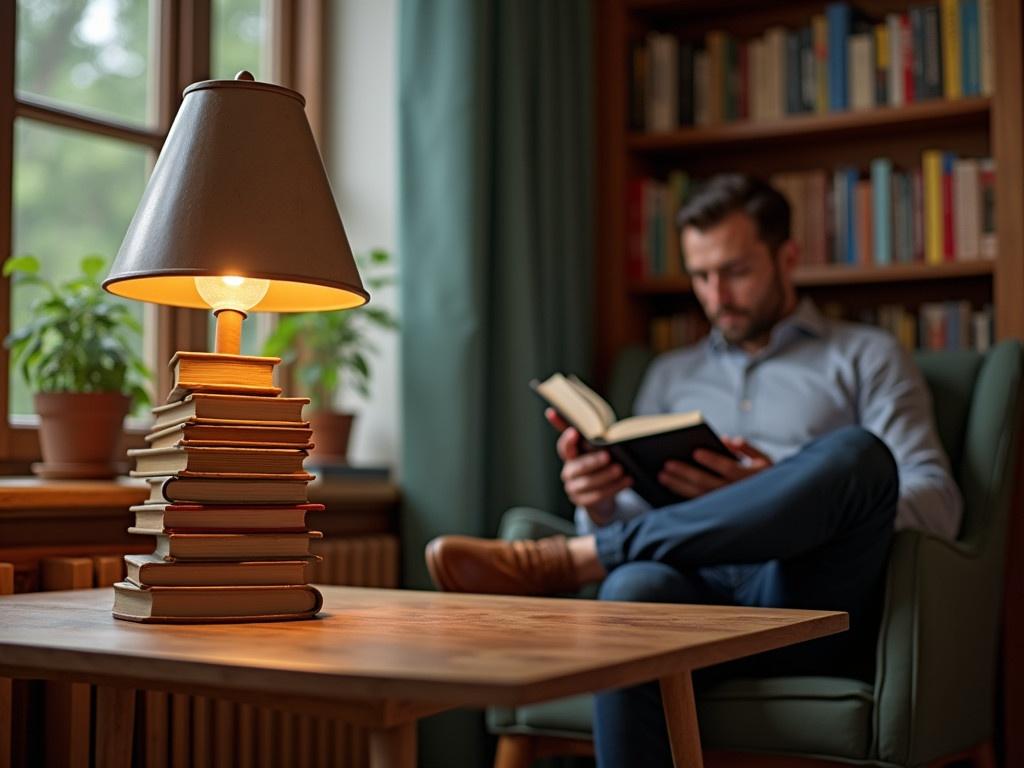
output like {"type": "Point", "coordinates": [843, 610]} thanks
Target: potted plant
{"type": "Point", "coordinates": [77, 358]}
{"type": "Point", "coordinates": [328, 350]}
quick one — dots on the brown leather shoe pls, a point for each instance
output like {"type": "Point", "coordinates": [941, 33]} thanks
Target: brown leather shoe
{"type": "Point", "coordinates": [493, 566]}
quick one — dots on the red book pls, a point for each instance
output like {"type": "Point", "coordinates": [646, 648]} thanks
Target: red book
{"type": "Point", "coordinates": [948, 233]}
{"type": "Point", "coordinates": [907, 59]}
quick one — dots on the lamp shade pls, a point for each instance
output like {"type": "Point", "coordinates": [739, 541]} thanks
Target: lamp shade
{"type": "Point", "coordinates": [239, 189]}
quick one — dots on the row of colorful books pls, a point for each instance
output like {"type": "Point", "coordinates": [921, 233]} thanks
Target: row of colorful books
{"type": "Point", "coordinates": [839, 60]}
{"type": "Point", "coordinates": [946, 325]}
{"type": "Point", "coordinates": [228, 500]}
{"type": "Point", "coordinates": [942, 211]}
{"type": "Point", "coordinates": [935, 325]}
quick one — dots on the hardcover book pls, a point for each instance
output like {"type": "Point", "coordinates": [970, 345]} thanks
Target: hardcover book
{"type": "Point", "coordinates": [236, 518]}
{"type": "Point", "coordinates": [213, 604]}
{"type": "Point", "coordinates": [155, 571]}
{"type": "Point", "coordinates": [641, 444]}
{"type": "Point", "coordinates": [238, 410]}
{"type": "Point", "coordinates": [188, 460]}
{"type": "Point", "coordinates": [215, 372]}
{"type": "Point", "coordinates": [206, 490]}
{"type": "Point", "coordinates": [214, 434]}
{"type": "Point", "coordinates": [229, 546]}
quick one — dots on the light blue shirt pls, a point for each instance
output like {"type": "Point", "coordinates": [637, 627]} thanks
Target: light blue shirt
{"type": "Point", "coordinates": [814, 376]}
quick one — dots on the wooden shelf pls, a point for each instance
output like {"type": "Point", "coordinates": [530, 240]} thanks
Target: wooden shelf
{"type": "Point", "coordinates": [809, 276]}
{"type": "Point", "coordinates": [800, 128]}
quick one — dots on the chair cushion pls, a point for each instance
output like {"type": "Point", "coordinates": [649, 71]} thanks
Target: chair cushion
{"type": "Point", "coordinates": [796, 715]}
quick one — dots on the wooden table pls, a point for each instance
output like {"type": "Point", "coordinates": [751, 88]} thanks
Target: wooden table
{"type": "Point", "coordinates": [384, 658]}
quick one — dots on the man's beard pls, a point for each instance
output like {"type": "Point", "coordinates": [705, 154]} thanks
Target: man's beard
{"type": "Point", "coordinates": [761, 318]}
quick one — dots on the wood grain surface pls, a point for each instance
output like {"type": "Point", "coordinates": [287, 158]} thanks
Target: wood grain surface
{"type": "Point", "coordinates": [390, 645]}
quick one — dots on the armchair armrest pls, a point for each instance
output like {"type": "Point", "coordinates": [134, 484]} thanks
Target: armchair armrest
{"type": "Point", "coordinates": [530, 523]}
{"type": "Point", "coordinates": [936, 649]}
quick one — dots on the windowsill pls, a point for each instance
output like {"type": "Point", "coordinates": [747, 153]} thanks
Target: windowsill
{"type": "Point", "coordinates": [26, 493]}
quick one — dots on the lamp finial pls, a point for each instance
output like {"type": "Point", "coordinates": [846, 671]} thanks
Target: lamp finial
{"type": "Point", "coordinates": [245, 74]}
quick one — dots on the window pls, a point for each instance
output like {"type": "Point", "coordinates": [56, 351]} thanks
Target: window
{"type": "Point", "coordinates": [88, 90]}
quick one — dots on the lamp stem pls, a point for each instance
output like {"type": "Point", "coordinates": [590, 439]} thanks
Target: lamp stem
{"type": "Point", "coordinates": [229, 331]}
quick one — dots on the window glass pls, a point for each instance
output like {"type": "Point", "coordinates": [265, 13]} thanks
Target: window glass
{"type": "Point", "coordinates": [74, 194]}
{"type": "Point", "coordinates": [88, 55]}
{"type": "Point", "coordinates": [239, 39]}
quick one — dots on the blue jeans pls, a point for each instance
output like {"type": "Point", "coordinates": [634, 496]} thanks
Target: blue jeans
{"type": "Point", "coordinates": [810, 532]}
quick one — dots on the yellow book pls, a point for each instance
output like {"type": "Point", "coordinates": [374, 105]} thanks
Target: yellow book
{"type": "Point", "coordinates": [950, 24]}
{"type": "Point", "coordinates": [819, 28]}
{"type": "Point", "coordinates": [931, 172]}
{"type": "Point", "coordinates": [882, 47]}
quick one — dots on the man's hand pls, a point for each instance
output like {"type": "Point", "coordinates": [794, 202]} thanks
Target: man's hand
{"type": "Point", "coordinates": [591, 480]}
{"type": "Point", "coordinates": [689, 481]}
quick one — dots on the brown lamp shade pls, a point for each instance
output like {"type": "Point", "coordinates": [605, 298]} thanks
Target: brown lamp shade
{"type": "Point", "coordinates": [239, 189]}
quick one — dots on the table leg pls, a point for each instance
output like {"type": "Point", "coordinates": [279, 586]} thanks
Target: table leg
{"type": "Point", "coordinates": [115, 726]}
{"type": "Point", "coordinates": [681, 719]}
{"type": "Point", "coordinates": [393, 747]}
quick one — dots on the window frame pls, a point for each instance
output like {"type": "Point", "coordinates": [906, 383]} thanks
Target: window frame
{"type": "Point", "coordinates": [184, 41]}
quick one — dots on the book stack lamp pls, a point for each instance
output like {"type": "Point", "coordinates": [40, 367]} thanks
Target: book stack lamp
{"type": "Point", "coordinates": [237, 216]}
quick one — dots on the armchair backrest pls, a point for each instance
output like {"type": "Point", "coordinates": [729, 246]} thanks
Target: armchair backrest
{"type": "Point", "coordinates": [976, 400]}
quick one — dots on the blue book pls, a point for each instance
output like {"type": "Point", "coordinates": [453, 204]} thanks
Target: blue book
{"type": "Point", "coordinates": [852, 177]}
{"type": "Point", "coordinates": [970, 48]}
{"type": "Point", "coordinates": [838, 18]}
{"type": "Point", "coordinates": [952, 325]}
{"type": "Point", "coordinates": [881, 198]}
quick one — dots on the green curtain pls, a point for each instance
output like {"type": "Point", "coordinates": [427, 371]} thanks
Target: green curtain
{"type": "Point", "coordinates": [495, 237]}
{"type": "Point", "coordinates": [495, 241]}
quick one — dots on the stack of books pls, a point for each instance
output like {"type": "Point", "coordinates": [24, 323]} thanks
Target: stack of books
{"type": "Point", "coordinates": [227, 502]}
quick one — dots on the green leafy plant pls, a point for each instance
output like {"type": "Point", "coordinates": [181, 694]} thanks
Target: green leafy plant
{"type": "Point", "coordinates": [80, 337]}
{"type": "Point", "coordinates": [328, 349]}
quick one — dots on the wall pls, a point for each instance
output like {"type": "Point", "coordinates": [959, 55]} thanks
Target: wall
{"type": "Point", "coordinates": [361, 155]}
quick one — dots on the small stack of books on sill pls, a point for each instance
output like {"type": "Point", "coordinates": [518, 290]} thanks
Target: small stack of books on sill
{"type": "Point", "coordinates": [227, 502]}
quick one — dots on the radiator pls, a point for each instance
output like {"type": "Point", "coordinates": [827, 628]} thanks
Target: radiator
{"type": "Point", "coordinates": [178, 730]}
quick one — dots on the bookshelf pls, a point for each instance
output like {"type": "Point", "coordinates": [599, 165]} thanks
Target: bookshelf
{"type": "Point", "coordinates": [975, 126]}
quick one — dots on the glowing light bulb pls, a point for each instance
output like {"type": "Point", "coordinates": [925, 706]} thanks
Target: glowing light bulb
{"type": "Point", "coordinates": [232, 291]}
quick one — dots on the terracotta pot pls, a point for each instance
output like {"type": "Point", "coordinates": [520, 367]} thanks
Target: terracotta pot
{"type": "Point", "coordinates": [80, 433]}
{"type": "Point", "coordinates": [331, 431]}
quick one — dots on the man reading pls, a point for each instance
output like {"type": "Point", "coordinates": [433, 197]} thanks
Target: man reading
{"type": "Point", "coordinates": [834, 444]}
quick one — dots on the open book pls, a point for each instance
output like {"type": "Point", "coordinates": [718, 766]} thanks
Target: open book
{"type": "Point", "coordinates": [641, 444]}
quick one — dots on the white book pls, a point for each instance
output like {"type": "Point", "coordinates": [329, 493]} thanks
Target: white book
{"type": "Point", "coordinates": [861, 76]}
{"type": "Point", "coordinates": [966, 210]}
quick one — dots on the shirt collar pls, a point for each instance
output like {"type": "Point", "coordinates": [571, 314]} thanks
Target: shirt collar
{"type": "Point", "coordinates": [805, 319]}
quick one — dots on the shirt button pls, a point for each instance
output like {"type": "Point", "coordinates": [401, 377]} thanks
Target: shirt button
{"type": "Point", "coordinates": [745, 405]}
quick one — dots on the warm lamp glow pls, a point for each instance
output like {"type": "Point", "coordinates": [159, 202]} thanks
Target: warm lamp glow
{"type": "Point", "coordinates": [232, 291]}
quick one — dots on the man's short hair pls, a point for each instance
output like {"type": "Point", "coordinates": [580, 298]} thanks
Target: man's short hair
{"type": "Point", "coordinates": [728, 193]}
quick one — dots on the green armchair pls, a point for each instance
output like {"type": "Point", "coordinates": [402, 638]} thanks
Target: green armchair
{"type": "Point", "coordinates": [933, 696]}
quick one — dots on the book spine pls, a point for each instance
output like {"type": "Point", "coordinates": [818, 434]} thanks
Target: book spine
{"type": "Point", "coordinates": [931, 169]}
{"type": "Point", "coordinates": [865, 228]}
{"type": "Point", "coordinates": [808, 71]}
{"type": "Point", "coordinates": [638, 87]}
{"type": "Point", "coordinates": [819, 31]}
{"type": "Point", "coordinates": [732, 79]}
{"type": "Point", "coordinates": [917, 43]}
{"type": "Point", "coordinates": [970, 44]}
{"type": "Point", "coordinates": [838, 17]}
{"type": "Point", "coordinates": [635, 268]}
{"type": "Point", "coordinates": [895, 72]}
{"type": "Point", "coordinates": [881, 195]}
{"type": "Point", "coordinates": [717, 84]}
{"type": "Point", "coordinates": [951, 37]}
{"type": "Point", "coordinates": [917, 209]}
{"type": "Point", "coordinates": [861, 71]}
{"type": "Point", "coordinates": [852, 245]}
{"type": "Point", "coordinates": [883, 64]}
{"type": "Point", "coordinates": [906, 60]}
{"type": "Point", "coordinates": [744, 80]}
{"type": "Point", "coordinates": [701, 78]}
{"type": "Point", "coordinates": [948, 229]}
{"type": "Point", "coordinates": [987, 199]}
{"type": "Point", "coordinates": [792, 72]}
{"type": "Point", "coordinates": [685, 83]}
{"type": "Point", "coordinates": [933, 54]}
{"type": "Point", "coordinates": [986, 67]}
